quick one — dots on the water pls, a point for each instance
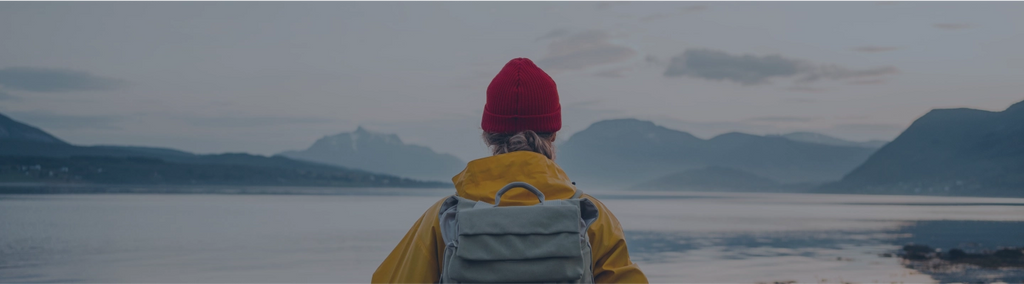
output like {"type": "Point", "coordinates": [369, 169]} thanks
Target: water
{"type": "Point", "coordinates": [342, 237]}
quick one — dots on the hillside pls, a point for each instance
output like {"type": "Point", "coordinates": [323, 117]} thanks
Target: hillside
{"type": "Point", "coordinates": [949, 152]}
{"type": "Point", "coordinates": [818, 138]}
{"type": "Point", "coordinates": [29, 154]}
{"type": "Point", "coordinates": [379, 152]}
{"type": "Point", "coordinates": [11, 130]}
{"type": "Point", "coordinates": [150, 171]}
{"type": "Point", "coordinates": [712, 179]}
{"type": "Point", "coordinates": [624, 152]}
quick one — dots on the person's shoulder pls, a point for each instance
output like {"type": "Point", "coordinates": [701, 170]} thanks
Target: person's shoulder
{"type": "Point", "coordinates": [437, 205]}
{"type": "Point", "coordinates": [588, 196]}
{"type": "Point", "coordinates": [435, 209]}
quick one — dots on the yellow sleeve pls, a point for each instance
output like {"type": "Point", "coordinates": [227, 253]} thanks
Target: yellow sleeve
{"type": "Point", "coordinates": [608, 247]}
{"type": "Point", "coordinates": [416, 258]}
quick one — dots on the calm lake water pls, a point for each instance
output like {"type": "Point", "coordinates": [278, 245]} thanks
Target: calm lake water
{"type": "Point", "coordinates": [342, 237]}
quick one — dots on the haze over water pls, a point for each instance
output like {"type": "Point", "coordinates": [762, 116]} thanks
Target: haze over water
{"type": "Point", "coordinates": [676, 237]}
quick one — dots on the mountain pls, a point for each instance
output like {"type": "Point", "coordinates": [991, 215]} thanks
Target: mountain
{"type": "Point", "coordinates": [151, 171]}
{"type": "Point", "coordinates": [378, 152]}
{"type": "Point", "coordinates": [28, 154]}
{"type": "Point", "coordinates": [624, 152]}
{"type": "Point", "coordinates": [20, 139]}
{"type": "Point", "coordinates": [12, 130]}
{"type": "Point", "coordinates": [818, 138]}
{"type": "Point", "coordinates": [949, 152]}
{"type": "Point", "coordinates": [11, 147]}
{"type": "Point", "coordinates": [711, 179]}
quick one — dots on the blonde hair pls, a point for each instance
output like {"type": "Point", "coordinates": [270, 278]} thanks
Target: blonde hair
{"type": "Point", "coordinates": [501, 143]}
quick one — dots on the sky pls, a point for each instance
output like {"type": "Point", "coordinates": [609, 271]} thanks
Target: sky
{"type": "Point", "coordinates": [263, 77]}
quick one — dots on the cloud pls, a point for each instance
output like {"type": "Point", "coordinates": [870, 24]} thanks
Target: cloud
{"type": "Point", "coordinates": [54, 80]}
{"type": "Point", "coordinates": [719, 66]}
{"type": "Point", "coordinates": [753, 69]}
{"type": "Point", "coordinates": [951, 26]}
{"type": "Point", "coordinates": [580, 50]}
{"type": "Point", "coordinates": [873, 49]}
{"type": "Point", "coordinates": [48, 120]}
{"type": "Point", "coordinates": [834, 72]}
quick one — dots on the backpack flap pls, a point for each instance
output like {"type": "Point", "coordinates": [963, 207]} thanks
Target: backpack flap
{"type": "Point", "coordinates": [538, 243]}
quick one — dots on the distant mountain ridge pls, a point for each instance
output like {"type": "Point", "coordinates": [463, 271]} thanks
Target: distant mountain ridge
{"type": "Point", "coordinates": [380, 152]}
{"type": "Point", "coordinates": [710, 179]}
{"type": "Point", "coordinates": [29, 154]}
{"type": "Point", "coordinates": [624, 152]}
{"type": "Point", "coordinates": [17, 131]}
{"type": "Point", "coordinates": [949, 152]}
{"type": "Point", "coordinates": [818, 138]}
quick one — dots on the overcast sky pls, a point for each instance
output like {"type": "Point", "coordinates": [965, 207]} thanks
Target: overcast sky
{"type": "Point", "coordinates": [268, 77]}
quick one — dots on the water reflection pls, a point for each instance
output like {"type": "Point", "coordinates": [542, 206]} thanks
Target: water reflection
{"type": "Point", "coordinates": [647, 245]}
{"type": "Point", "coordinates": [332, 235]}
{"type": "Point", "coordinates": [672, 247]}
{"type": "Point", "coordinates": [966, 235]}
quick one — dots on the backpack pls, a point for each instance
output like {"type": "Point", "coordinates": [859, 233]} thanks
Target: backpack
{"type": "Point", "coordinates": [546, 242]}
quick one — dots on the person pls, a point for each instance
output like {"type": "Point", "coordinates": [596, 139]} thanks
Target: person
{"type": "Point", "coordinates": [520, 119]}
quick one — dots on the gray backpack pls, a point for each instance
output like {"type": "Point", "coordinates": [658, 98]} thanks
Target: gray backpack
{"type": "Point", "coordinates": [546, 242]}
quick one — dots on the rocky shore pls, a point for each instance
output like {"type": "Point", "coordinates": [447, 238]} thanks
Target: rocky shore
{"type": "Point", "coordinates": [957, 265]}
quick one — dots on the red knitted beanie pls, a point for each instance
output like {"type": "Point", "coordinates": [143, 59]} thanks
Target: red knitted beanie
{"type": "Point", "coordinates": [522, 97]}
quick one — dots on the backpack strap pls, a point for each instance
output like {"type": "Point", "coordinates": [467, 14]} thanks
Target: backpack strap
{"type": "Point", "coordinates": [577, 194]}
{"type": "Point", "coordinates": [527, 186]}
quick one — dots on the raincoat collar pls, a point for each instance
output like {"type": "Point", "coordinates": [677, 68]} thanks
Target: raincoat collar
{"type": "Point", "coordinates": [483, 177]}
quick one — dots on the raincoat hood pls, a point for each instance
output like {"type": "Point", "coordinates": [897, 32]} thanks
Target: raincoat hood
{"type": "Point", "coordinates": [483, 177]}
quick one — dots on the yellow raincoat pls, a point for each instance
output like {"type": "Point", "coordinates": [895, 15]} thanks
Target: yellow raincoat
{"type": "Point", "coordinates": [418, 258]}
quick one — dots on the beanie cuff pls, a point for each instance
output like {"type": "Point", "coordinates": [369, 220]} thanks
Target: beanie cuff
{"type": "Point", "coordinates": [543, 123]}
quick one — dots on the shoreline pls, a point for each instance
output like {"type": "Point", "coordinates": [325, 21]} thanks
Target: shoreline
{"type": "Point", "coordinates": [44, 188]}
